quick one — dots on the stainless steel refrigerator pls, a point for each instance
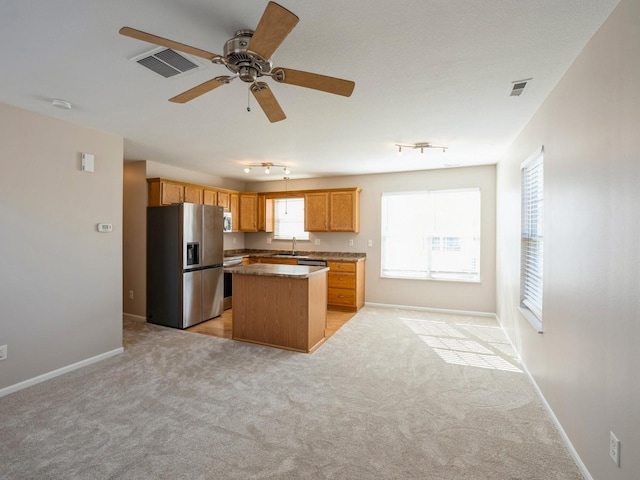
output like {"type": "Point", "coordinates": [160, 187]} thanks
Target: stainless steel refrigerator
{"type": "Point", "coordinates": [185, 284]}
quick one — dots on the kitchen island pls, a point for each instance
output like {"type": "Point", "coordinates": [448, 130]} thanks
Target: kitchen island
{"type": "Point", "coordinates": [281, 306]}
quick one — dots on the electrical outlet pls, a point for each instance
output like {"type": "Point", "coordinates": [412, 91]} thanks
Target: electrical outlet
{"type": "Point", "coordinates": [268, 240]}
{"type": "Point", "coordinates": [3, 352]}
{"type": "Point", "coordinates": [614, 448]}
{"type": "Point", "coordinates": [351, 242]}
{"type": "Point", "coordinates": [370, 243]}
{"type": "Point", "coordinates": [316, 241]}
{"type": "Point", "coordinates": [130, 294]}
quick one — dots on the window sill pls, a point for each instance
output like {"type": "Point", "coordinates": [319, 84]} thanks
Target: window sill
{"type": "Point", "coordinates": [531, 318]}
{"type": "Point", "coordinates": [432, 279]}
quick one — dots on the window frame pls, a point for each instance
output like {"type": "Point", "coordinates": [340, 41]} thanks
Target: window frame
{"type": "Point", "coordinates": [300, 235]}
{"type": "Point", "coordinates": [531, 295]}
{"type": "Point", "coordinates": [432, 237]}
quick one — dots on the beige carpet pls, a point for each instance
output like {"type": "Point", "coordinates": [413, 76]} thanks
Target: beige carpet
{"type": "Point", "coordinates": [392, 395]}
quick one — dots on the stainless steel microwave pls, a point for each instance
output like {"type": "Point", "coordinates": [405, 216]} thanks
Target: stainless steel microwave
{"type": "Point", "coordinates": [226, 222]}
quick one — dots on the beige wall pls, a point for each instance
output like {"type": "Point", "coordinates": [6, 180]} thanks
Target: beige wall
{"type": "Point", "coordinates": [134, 237]}
{"type": "Point", "coordinates": [471, 297]}
{"type": "Point", "coordinates": [587, 361]}
{"type": "Point", "coordinates": [61, 300]}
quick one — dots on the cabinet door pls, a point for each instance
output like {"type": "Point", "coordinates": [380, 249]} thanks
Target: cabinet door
{"type": "Point", "coordinates": [172, 193]}
{"type": "Point", "coordinates": [265, 214]}
{"type": "Point", "coordinates": [224, 200]}
{"type": "Point", "coordinates": [316, 212]}
{"type": "Point", "coordinates": [344, 212]}
{"type": "Point", "coordinates": [192, 194]}
{"type": "Point", "coordinates": [210, 197]}
{"type": "Point", "coordinates": [248, 212]}
{"type": "Point", "coordinates": [233, 208]}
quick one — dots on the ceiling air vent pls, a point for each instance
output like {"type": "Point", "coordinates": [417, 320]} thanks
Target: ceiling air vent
{"type": "Point", "coordinates": [166, 62]}
{"type": "Point", "coordinates": [518, 87]}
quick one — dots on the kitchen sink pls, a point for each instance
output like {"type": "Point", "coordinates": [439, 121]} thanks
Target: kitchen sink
{"type": "Point", "coordinates": [289, 255]}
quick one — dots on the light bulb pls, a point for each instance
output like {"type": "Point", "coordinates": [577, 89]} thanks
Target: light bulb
{"type": "Point", "coordinates": [266, 170]}
{"type": "Point", "coordinates": [247, 169]}
{"type": "Point", "coordinates": [287, 171]}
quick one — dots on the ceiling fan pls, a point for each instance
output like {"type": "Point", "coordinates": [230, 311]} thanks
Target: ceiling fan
{"type": "Point", "coordinates": [248, 56]}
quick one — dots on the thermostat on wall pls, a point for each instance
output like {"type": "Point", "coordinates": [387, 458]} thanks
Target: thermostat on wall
{"type": "Point", "coordinates": [105, 227]}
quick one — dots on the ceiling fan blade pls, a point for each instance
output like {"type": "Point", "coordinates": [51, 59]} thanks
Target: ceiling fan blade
{"type": "Point", "coordinates": [337, 86]}
{"type": "Point", "coordinates": [274, 26]}
{"type": "Point", "coordinates": [267, 102]}
{"type": "Point", "coordinates": [200, 90]}
{"type": "Point", "coordinates": [164, 42]}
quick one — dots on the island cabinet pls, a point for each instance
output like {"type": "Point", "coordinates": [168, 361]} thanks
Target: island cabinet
{"type": "Point", "coordinates": [332, 211]}
{"type": "Point", "coordinates": [346, 284]}
{"type": "Point", "coordinates": [280, 305]}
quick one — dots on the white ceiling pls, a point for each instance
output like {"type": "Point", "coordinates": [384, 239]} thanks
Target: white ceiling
{"type": "Point", "coordinates": [436, 71]}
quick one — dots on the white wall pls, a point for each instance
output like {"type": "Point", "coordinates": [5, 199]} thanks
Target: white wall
{"type": "Point", "coordinates": [587, 361]}
{"type": "Point", "coordinates": [60, 301]}
{"type": "Point", "coordinates": [474, 297]}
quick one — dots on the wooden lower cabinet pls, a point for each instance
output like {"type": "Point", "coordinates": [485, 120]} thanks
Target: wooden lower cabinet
{"type": "Point", "coordinates": [346, 284]}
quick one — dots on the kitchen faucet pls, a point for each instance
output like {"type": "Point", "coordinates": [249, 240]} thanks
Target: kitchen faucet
{"type": "Point", "coordinates": [293, 246]}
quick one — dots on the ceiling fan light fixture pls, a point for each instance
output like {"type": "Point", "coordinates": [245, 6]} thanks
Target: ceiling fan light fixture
{"type": "Point", "coordinates": [287, 171]}
{"type": "Point", "coordinates": [247, 169]}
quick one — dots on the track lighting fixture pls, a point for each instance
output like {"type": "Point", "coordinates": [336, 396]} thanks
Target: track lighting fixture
{"type": "Point", "coordinates": [267, 167]}
{"type": "Point", "coordinates": [421, 146]}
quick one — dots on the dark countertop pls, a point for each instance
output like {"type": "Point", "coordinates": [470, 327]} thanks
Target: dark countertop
{"type": "Point", "coordinates": [273, 270]}
{"type": "Point", "coordinates": [328, 256]}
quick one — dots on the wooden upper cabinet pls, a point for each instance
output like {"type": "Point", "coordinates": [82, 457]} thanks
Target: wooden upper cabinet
{"type": "Point", "coordinates": [344, 212]}
{"type": "Point", "coordinates": [316, 212]}
{"type": "Point", "coordinates": [193, 194]}
{"type": "Point", "coordinates": [265, 213]}
{"type": "Point", "coordinates": [332, 211]}
{"type": "Point", "coordinates": [210, 197]}
{"type": "Point", "coordinates": [234, 209]}
{"type": "Point", "coordinates": [223, 200]}
{"type": "Point", "coordinates": [248, 205]}
{"type": "Point", "coordinates": [164, 193]}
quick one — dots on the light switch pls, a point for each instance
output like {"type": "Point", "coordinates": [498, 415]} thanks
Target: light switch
{"type": "Point", "coordinates": [105, 227]}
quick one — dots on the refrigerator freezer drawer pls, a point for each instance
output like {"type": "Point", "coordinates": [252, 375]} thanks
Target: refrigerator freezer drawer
{"type": "Point", "coordinates": [192, 298]}
{"type": "Point", "coordinates": [212, 293]}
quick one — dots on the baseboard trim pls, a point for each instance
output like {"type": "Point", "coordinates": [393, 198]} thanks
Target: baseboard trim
{"type": "Point", "coordinates": [134, 317]}
{"type": "Point", "coordinates": [60, 371]}
{"type": "Point", "coordinates": [565, 438]}
{"type": "Point", "coordinates": [429, 309]}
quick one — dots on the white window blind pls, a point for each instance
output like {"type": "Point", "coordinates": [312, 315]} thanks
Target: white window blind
{"type": "Point", "coordinates": [532, 246]}
{"type": "Point", "coordinates": [289, 219]}
{"type": "Point", "coordinates": [431, 235]}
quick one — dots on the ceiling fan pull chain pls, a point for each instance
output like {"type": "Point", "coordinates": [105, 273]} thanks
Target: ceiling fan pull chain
{"type": "Point", "coordinates": [249, 99]}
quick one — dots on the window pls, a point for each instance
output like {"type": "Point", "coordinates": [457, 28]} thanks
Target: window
{"type": "Point", "coordinates": [289, 219]}
{"type": "Point", "coordinates": [431, 235]}
{"type": "Point", "coordinates": [531, 244]}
